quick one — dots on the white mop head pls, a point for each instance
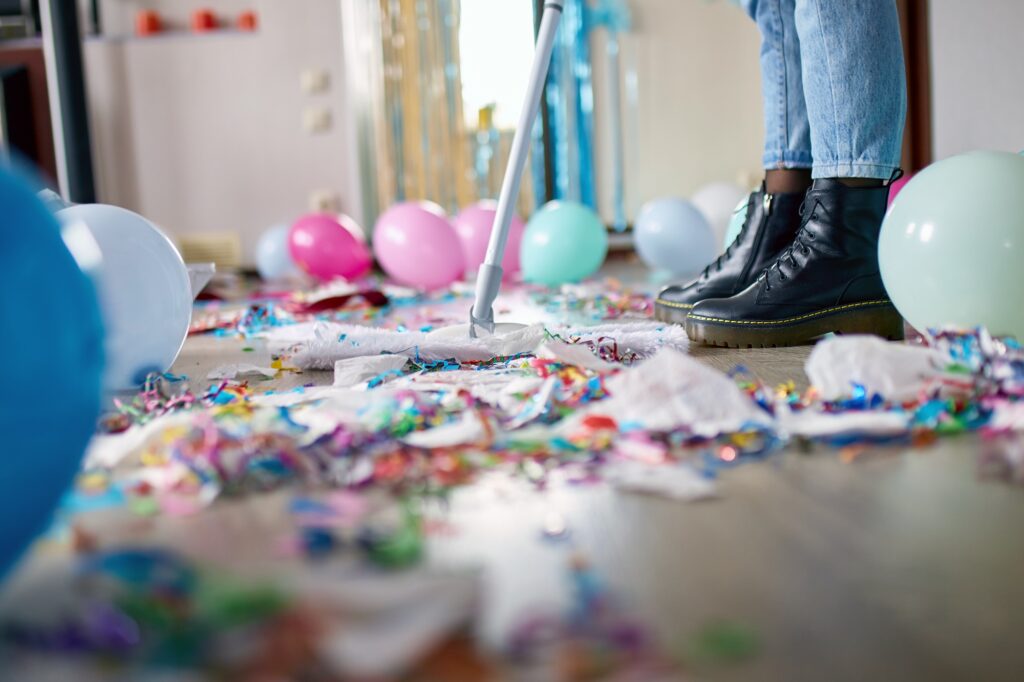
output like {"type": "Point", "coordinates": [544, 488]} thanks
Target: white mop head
{"type": "Point", "coordinates": [320, 345]}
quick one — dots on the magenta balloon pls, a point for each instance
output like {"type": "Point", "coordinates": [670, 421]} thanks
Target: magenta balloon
{"type": "Point", "coordinates": [473, 226]}
{"type": "Point", "coordinates": [416, 246]}
{"type": "Point", "coordinates": [898, 186]}
{"type": "Point", "coordinates": [324, 246]}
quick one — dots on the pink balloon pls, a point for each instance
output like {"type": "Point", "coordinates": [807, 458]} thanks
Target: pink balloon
{"type": "Point", "coordinates": [897, 187]}
{"type": "Point", "coordinates": [324, 246]}
{"type": "Point", "coordinates": [416, 245]}
{"type": "Point", "coordinates": [474, 224]}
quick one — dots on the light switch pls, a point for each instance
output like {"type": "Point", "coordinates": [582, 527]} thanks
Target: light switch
{"type": "Point", "coordinates": [315, 81]}
{"type": "Point", "coordinates": [316, 119]}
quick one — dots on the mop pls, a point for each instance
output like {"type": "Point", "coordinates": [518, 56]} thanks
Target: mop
{"type": "Point", "coordinates": [488, 281]}
{"type": "Point", "coordinates": [320, 345]}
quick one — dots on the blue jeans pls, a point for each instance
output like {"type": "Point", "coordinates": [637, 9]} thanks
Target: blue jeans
{"type": "Point", "coordinates": [835, 92]}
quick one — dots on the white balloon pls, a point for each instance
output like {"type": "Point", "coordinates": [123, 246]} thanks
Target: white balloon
{"type": "Point", "coordinates": [273, 260]}
{"type": "Point", "coordinates": [144, 292]}
{"type": "Point", "coordinates": [717, 201]}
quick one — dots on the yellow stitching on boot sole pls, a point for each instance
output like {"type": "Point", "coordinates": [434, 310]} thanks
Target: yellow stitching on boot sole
{"type": "Point", "coordinates": [817, 313]}
{"type": "Point", "coordinates": [670, 304]}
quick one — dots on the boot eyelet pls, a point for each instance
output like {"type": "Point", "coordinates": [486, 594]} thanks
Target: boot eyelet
{"type": "Point", "coordinates": [805, 250]}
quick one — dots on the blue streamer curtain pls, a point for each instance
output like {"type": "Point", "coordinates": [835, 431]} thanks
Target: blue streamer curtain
{"type": "Point", "coordinates": [569, 100]}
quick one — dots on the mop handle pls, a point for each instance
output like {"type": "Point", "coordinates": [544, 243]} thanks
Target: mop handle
{"type": "Point", "coordinates": [489, 277]}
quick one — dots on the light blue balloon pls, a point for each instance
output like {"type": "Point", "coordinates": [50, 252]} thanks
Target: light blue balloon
{"type": "Point", "coordinates": [952, 244]}
{"type": "Point", "coordinates": [739, 216]}
{"type": "Point", "coordinates": [144, 291]}
{"type": "Point", "coordinates": [564, 242]}
{"type": "Point", "coordinates": [273, 259]}
{"type": "Point", "coordinates": [53, 341]}
{"type": "Point", "coordinates": [671, 234]}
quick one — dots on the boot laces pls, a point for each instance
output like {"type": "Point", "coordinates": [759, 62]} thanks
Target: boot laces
{"type": "Point", "coordinates": [727, 254]}
{"type": "Point", "coordinates": [799, 244]}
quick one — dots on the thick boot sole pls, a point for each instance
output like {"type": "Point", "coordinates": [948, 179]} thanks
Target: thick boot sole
{"type": "Point", "coordinates": [877, 318]}
{"type": "Point", "coordinates": [666, 311]}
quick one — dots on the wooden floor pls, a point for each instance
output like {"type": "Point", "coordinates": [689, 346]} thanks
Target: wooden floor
{"type": "Point", "coordinates": [899, 565]}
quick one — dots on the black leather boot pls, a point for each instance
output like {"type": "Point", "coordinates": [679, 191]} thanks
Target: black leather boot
{"type": "Point", "coordinates": [827, 280]}
{"type": "Point", "coordinates": [771, 224]}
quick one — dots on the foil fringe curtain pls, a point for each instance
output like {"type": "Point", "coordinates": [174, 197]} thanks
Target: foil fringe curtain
{"type": "Point", "coordinates": [403, 56]}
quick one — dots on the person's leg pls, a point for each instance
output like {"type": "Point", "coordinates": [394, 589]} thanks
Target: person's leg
{"type": "Point", "coordinates": [828, 279]}
{"type": "Point", "coordinates": [855, 86]}
{"type": "Point", "coordinates": [772, 211]}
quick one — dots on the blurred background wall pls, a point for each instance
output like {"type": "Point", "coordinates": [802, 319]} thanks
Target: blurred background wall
{"type": "Point", "coordinates": [219, 135]}
{"type": "Point", "coordinates": [977, 71]}
{"type": "Point", "coordinates": [698, 115]}
{"type": "Point", "coordinates": [224, 133]}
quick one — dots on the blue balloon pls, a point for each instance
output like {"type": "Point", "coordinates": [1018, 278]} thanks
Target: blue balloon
{"type": "Point", "coordinates": [564, 242]}
{"type": "Point", "coordinates": [672, 235]}
{"type": "Point", "coordinates": [53, 343]}
{"type": "Point", "coordinates": [273, 259]}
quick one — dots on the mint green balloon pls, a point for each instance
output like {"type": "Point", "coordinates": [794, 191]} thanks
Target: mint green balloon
{"type": "Point", "coordinates": [739, 216]}
{"type": "Point", "coordinates": [564, 242]}
{"type": "Point", "coordinates": [952, 244]}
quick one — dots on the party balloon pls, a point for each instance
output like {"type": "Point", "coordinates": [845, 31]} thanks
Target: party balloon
{"type": "Point", "coordinates": [323, 246]}
{"type": "Point", "coordinates": [144, 292]}
{"type": "Point", "coordinates": [672, 235]}
{"type": "Point", "coordinates": [952, 244]}
{"type": "Point", "coordinates": [473, 225]}
{"type": "Point", "coordinates": [417, 246]}
{"type": "Point", "coordinates": [53, 344]}
{"type": "Point", "coordinates": [564, 242]}
{"type": "Point", "coordinates": [897, 187]}
{"type": "Point", "coordinates": [273, 258]}
{"type": "Point", "coordinates": [716, 202]}
{"type": "Point", "coordinates": [739, 216]}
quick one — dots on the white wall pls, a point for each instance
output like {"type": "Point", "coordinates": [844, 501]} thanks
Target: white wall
{"type": "Point", "coordinates": [205, 133]}
{"type": "Point", "coordinates": [699, 116]}
{"type": "Point", "coordinates": [977, 75]}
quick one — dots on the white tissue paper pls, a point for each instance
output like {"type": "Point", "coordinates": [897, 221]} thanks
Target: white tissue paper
{"type": "Point", "coordinates": [896, 371]}
{"type": "Point", "coordinates": [354, 371]}
{"type": "Point", "coordinates": [673, 390]}
{"type": "Point", "coordinates": [677, 481]}
{"type": "Point", "coordinates": [240, 369]}
{"type": "Point", "coordinates": [574, 354]}
{"type": "Point", "coordinates": [467, 430]}
{"type": "Point", "coordinates": [810, 424]}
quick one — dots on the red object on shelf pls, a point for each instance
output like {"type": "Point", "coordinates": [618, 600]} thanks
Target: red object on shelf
{"type": "Point", "coordinates": [204, 20]}
{"type": "Point", "coordinates": [248, 21]}
{"type": "Point", "coordinates": [147, 23]}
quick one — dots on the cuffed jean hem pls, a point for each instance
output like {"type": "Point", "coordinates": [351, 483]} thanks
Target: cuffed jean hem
{"type": "Point", "coordinates": [787, 159]}
{"type": "Point", "coordinates": [852, 169]}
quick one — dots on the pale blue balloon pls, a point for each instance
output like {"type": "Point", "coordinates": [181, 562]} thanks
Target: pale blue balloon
{"type": "Point", "coordinates": [273, 259]}
{"type": "Point", "coordinates": [671, 234]}
{"type": "Point", "coordinates": [739, 216]}
{"type": "Point", "coordinates": [952, 244]}
{"type": "Point", "coordinates": [564, 242]}
{"type": "Point", "coordinates": [144, 291]}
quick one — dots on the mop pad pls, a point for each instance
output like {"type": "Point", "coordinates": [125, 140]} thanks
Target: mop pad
{"type": "Point", "coordinates": [320, 345]}
{"type": "Point", "coordinates": [323, 344]}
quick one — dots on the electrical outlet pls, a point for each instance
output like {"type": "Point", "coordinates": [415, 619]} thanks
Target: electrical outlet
{"type": "Point", "coordinates": [315, 81]}
{"type": "Point", "coordinates": [316, 120]}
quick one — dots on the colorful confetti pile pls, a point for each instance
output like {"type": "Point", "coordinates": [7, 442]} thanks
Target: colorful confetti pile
{"type": "Point", "coordinates": [419, 432]}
